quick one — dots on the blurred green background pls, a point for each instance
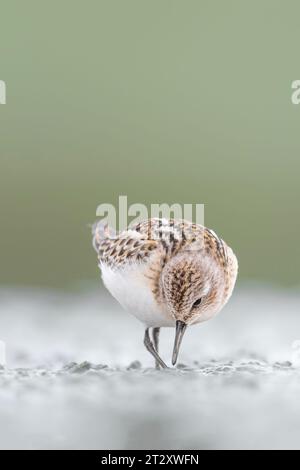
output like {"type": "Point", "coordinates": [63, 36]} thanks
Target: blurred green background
{"type": "Point", "coordinates": [163, 101]}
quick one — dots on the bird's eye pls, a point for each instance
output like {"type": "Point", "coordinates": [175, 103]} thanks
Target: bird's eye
{"type": "Point", "coordinates": [197, 303]}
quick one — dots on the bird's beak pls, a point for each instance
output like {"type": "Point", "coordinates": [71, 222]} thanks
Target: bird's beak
{"type": "Point", "coordinates": [180, 329]}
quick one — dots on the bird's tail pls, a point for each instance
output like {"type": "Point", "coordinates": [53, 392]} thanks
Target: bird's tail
{"type": "Point", "coordinates": [101, 231]}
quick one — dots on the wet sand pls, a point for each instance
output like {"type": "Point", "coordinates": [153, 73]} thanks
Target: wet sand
{"type": "Point", "coordinates": [77, 376]}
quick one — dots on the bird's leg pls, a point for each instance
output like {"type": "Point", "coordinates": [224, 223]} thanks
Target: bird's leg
{"type": "Point", "coordinates": [155, 337]}
{"type": "Point", "coordinates": [149, 346]}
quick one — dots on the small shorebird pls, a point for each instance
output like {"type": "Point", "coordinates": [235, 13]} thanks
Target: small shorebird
{"type": "Point", "coordinates": [168, 273]}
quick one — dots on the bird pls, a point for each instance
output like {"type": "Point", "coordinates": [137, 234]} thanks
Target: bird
{"type": "Point", "coordinates": [167, 273]}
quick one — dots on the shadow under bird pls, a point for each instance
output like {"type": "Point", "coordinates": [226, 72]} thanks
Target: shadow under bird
{"type": "Point", "coordinates": [168, 273]}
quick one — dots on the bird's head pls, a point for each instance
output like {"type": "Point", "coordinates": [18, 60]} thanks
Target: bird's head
{"type": "Point", "coordinates": [192, 285]}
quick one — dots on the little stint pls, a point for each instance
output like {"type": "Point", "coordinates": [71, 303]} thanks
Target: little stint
{"type": "Point", "coordinates": [168, 273]}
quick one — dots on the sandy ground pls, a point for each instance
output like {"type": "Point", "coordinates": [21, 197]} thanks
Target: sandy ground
{"type": "Point", "coordinates": [77, 376]}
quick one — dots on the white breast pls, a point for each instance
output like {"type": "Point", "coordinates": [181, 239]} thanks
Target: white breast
{"type": "Point", "coordinates": [131, 288]}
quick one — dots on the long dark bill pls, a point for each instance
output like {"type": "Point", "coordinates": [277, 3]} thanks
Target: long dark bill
{"type": "Point", "coordinates": [180, 329]}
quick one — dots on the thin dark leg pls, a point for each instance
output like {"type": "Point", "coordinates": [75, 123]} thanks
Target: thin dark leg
{"type": "Point", "coordinates": [149, 346]}
{"type": "Point", "coordinates": [155, 337]}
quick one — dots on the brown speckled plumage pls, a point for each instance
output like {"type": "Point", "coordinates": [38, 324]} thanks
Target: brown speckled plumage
{"type": "Point", "coordinates": [167, 270]}
{"type": "Point", "coordinates": [171, 236]}
{"type": "Point", "coordinates": [156, 242]}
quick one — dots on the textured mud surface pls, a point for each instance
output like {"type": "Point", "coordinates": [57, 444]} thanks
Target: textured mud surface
{"type": "Point", "coordinates": [77, 376]}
